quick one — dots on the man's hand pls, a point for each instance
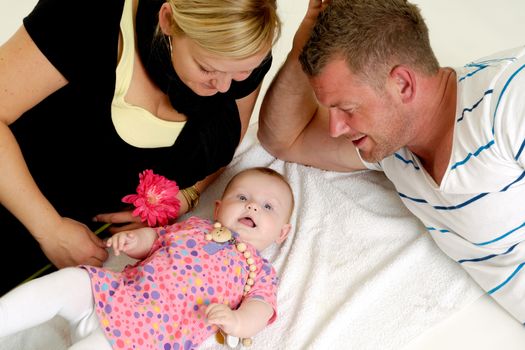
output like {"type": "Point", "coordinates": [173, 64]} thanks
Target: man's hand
{"type": "Point", "coordinates": [303, 32]}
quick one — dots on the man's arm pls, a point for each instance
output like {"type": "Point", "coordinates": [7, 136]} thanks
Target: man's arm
{"type": "Point", "coordinates": [292, 125]}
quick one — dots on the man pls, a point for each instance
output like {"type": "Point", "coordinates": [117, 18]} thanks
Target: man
{"type": "Point", "coordinates": [361, 88]}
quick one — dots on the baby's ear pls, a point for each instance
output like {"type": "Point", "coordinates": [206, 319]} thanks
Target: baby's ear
{"type": "Point", "coordinates": [216, 211]}
{"type": "Point", "coordinates": [284, 233]}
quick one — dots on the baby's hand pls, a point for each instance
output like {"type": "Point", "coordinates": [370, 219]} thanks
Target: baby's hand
{"type": "Point", "coordinates": [223, 317]}
{"type": "Point", "coordinates": [122, 241]}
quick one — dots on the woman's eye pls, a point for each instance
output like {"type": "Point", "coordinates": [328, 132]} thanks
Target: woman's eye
{"type": "Point", "coordinates": [205, 71]}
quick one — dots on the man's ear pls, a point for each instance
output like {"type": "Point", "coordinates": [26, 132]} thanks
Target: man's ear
{"type": "Point", "coordinates": [216, 210]}
{"type": "Point", "coordinates": [166, 19]}
{"type": "Point", "coordinates": [284, 233]}
{"type": "Point", "coordinates": [404, 80]}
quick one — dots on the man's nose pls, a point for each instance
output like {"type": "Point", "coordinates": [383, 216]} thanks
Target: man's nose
{"type": "Point", "coordinates": [338, 123]}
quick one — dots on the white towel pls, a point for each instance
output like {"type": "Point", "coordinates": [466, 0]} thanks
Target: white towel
{"type": "Point", "coordinates": [358, 271]}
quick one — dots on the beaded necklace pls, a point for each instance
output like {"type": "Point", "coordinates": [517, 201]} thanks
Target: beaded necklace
{"type": "Point", "coordinates": [221, 234]}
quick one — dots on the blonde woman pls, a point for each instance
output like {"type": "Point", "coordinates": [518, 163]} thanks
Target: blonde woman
{"type": "Point", "coordinates": [92, 93]}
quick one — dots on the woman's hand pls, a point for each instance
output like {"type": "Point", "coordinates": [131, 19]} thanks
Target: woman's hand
{"type": "Point", "coordinates": [72, 243]}
{"type": "Point", "coordinates": [124, 220]}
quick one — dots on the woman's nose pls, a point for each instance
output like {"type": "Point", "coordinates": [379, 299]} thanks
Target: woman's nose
{"type": "Point", "coordinates": [223, 82]}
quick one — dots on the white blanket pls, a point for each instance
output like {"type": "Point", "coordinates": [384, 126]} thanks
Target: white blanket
{"type": "Point", "coordinates": [358, 271]}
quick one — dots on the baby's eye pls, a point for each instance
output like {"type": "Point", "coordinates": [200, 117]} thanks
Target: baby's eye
{"type": "Point", "coordinates": [268, 207]}
{"type": "Point", "coordinates": [242, 197]}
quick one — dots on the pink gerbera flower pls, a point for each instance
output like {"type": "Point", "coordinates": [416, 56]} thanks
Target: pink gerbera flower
{"type": "Point", "coordinates": [156, 200]}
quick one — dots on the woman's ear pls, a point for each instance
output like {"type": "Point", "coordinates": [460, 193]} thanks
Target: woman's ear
{"type": "Point", "coordinates": [166, 19]}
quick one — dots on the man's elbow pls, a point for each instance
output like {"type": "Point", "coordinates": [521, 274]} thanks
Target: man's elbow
{"type": "Point", "coordinates": [272, 145]}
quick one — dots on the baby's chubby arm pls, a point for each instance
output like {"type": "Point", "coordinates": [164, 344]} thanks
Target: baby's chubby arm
{"type": "Point", "coordinates": [249, 319]}
{"type": "Point", "coordinates": [136, 243]}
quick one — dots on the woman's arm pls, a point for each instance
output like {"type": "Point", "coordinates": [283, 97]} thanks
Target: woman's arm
{"type": "Point", "coordinates": [246, 106]}
{"type": "Point", "coordinates": [26, 78]}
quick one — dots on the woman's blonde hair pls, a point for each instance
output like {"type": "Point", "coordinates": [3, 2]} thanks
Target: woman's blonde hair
{"type": "Point", "coordinates": [230, 28]}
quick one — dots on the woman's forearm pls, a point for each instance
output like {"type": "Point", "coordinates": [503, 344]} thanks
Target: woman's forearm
{"type": "Point", "coordinates": [18, 191]}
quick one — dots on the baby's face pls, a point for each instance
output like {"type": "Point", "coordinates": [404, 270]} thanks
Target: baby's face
{"type": "Point", "coordinates": [257, 206]}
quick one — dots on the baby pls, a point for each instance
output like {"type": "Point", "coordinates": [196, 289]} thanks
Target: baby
{"type": "Point", "coordinates": [193, 277]}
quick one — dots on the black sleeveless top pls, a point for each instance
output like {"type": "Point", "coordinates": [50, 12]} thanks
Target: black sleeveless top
{"type": "Point", "coordinates": [68, 140]}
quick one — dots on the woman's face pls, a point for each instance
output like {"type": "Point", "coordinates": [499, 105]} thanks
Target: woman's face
{"type": "Point", "coordinates": [206, 73]}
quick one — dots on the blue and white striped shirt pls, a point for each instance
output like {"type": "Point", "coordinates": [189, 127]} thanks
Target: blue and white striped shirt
{"type": "Point", "coordinates": [477, 214]}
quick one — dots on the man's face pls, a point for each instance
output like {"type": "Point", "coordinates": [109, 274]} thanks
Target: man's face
{"type": "Point", "coordinates": [372, 120]}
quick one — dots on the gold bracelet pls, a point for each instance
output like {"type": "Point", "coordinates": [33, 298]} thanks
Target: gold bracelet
{"type": "Point", "coordinates": [191, 194]}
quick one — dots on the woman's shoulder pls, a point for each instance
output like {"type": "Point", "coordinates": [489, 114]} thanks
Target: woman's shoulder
{"type": "Point", "coordinates": [83, 37]}
{"type": "Point", "coordinates": [82, 18]}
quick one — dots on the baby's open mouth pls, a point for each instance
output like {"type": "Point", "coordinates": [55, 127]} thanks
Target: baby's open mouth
{"type": "Point", "coordinates": [247, 221]}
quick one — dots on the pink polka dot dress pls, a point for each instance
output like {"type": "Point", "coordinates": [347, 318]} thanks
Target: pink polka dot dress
{"type": "Point", "coordinates": [159, 302]}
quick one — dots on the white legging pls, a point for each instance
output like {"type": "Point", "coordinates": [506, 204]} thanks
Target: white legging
{"type": "Point", "coordinates": [67, 293]}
